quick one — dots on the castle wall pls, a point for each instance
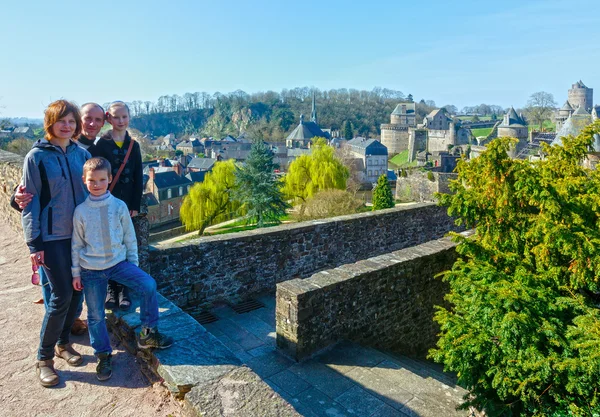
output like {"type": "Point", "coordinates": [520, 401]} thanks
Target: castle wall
{"type": "Point", "coordinates": [417, 185]}
{"type": "Point", "coordinates": [439, 140]}
{"type": "Point", "coordinates": [394, 138]}
{"type": "Point", "coordinates": [386, 302]}
{"type": "Point", "coordinates": [229, 268]}
{"type": "Point", "coordinates": [513, 132]}
{"type": "Point", "coordinates": [417, 142]}
{"type": "Point", "coordinates": [583, 97]}
{"type": "Point", "coordinates": [11, 171]}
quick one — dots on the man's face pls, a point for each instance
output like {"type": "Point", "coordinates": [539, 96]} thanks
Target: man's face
{"type": "Point", "coordinates": [92, 119]}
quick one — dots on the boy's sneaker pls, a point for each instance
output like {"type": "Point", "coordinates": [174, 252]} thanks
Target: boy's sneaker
{"type": "Point", "coordinates": [111, 296]}
{"type": "Point", "coordinates": [151, 338]}
{"type": "Point", "coordinates": [104, 367]}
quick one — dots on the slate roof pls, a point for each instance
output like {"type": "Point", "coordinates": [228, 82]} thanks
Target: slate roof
{"type": "Point", "coordinates": [567, 106]}
{"type": "Point", "coordinates": [581, 112]}
{"type": "Point", "coordinates": [410, 108]}
{"type": "Point", "coordinates": [202, 163]}
{"type": "Point", "coordinates": [306, 131]}
{"type": "Point", "coordinates": [513, 119]}
{"type": "Point", "coordinates": [237, 154]}
{"type": "Point", "coordinates": [367, 146]}
{"type": "Point", "coordinates": [189, 144]}
{"type": "Point", "coordinates": [196, 176]}
{"type": "Point", "coordinates": [152, 201]}
{"type": "Point", "coordinates": [169, 179]}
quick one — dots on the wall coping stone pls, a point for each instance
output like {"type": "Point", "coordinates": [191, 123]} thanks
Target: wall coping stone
{"type": "Point", "coordinates": [292, 228]}
{"type": "Point", "coordinates": [198, 368]}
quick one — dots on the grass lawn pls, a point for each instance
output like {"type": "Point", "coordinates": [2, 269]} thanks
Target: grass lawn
{"type": "Point", "coordinates": [548, 126]}
{"type": "Point", "coordinates": [481, 132]}
{"type": "Point", "coordinates": [401, 160]}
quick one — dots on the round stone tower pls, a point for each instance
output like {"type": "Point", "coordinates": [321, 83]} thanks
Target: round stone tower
{"type": "Point", "coordinates": [581, 96]}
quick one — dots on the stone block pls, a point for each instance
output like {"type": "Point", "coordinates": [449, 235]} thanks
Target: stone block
{"type": "Point", "coordinates": [239, 392]}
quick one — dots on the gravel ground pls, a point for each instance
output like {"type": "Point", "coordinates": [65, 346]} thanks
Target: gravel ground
{"type": "Point", "coordinates": [127, 393]}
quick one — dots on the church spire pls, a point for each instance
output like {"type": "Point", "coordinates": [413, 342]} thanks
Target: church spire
{"type": "Point", "coordinates": [313, 115]}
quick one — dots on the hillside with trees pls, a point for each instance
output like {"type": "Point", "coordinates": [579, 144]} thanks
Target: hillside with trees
{"type": "Point", "coordinates": [268, 115]}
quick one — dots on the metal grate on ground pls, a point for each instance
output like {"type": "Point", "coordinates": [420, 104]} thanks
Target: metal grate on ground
{"type": "Point", "coordinates": [205, 317]}
{"type": "Point", "coordinates": [246, 306]}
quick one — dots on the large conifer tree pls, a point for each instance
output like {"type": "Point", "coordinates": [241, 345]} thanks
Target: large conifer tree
{"type": "Point", "coordinates": [382, 195]}
{"type": "Point", "coordinates": [258, 189]}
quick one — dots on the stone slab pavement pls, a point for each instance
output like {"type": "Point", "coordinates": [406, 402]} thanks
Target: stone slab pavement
{"type": "Point", "coordinates": [127, 393]}
{"type": "Point", "coordinates": [346, 381]}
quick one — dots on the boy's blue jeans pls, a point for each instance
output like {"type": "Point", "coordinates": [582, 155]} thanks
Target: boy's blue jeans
{"type": "Point", "coordinates": [94, 288]}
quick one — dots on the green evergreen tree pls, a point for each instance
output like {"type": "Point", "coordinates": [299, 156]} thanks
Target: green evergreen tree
{"type": "Point", "coordinates": [258, 189]}
{"type": "Point", "coordinates": [523, 328]}
{"type": "Point", "coordinates": [382, 195]}
{"type": "Point", "coordinates": [348, 133]}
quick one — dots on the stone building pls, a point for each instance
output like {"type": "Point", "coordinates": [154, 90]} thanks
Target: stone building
{"type": "Point", "coordinates": [164, 193]}
{"type": "Point", "coordinates": [514, 126]}
{"type": "Point", "coordinates": [581, 96]}
{"type": "Point", "coordinates": [190, 147]}
{"type": "Point", "coordinates": [302, 135]}
{"type": "Point", "coordinates": [371, 157]}
{"type": "Point", "coordinates": [394, 136]}
{"type": "Point", "coordinates": [563, 114]}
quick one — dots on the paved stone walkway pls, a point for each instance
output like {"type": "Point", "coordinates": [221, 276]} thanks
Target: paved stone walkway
{"type": "Point", "coordinates": [349, 380]}
{"type": "Point", "coordinates": [127, 393]}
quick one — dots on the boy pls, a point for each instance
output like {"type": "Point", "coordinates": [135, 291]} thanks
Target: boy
{"type": "Point", "coordinates": [104, 248]}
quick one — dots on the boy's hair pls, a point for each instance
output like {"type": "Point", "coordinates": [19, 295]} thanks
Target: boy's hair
{"type": "Point", "coordinates": [117, 104]}
{"type": "Point", "coordinates": [56, 111]}
{"type": "Point", "coordinates": [97, 163]}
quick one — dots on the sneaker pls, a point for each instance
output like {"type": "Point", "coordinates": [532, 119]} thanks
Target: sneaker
{"type": "Point", "coordinates": [111, 296]}
{"type": "Point", "coordinates": [104, 367]}
{"type": "Point", "coordinates": [124, 301]}
{"type": "Point", "coordinates": [46, 373]}
{"type": "Point", "coordinates": [151, 338]}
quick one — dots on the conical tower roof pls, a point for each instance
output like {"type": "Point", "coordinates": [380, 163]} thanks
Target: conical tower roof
{"type": "Point", "coordinates": [567, 106]}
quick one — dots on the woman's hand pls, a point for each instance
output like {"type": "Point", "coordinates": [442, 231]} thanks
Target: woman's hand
{"type": "Point", "coordinates": [22, 197]}
{"type": "Point", "coordinates": [37, 258]}
{"type": "Point", "coordinates": [77, 286]}
{"type": "Point", "coordinates": [133, 213]}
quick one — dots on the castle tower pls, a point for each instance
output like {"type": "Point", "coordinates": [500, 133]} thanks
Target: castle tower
{"type": "Point", "coordinates": [313, 115]}
{"type": "Point", "coordinates": [394, 135]}
{"type": "Point", "coordinates": [581, 96]}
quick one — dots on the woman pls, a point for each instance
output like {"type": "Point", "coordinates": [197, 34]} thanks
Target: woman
{"type": "Point", "coordinates": [52, 174]}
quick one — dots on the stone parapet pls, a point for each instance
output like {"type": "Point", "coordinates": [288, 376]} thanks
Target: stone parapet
{"type": "Point", "coordinates": [230, 268]}
{"type": "Point", "coordinates": [198, 369]}
{"type": "Point", "coordinates": [385, 302]}
{"type": "Point", "coordinates": [11, 171]}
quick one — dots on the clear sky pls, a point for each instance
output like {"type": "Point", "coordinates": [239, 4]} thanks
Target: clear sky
{"type": "Point", "coordinates": [453, 52]}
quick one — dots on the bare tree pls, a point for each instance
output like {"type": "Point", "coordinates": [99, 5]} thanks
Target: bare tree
{"type": "Point", "coordinates": [540, 107]}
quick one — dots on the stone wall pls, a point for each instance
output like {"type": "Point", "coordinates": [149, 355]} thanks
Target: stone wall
{"type": "Point", "coordinates": [230, 268]}
{"type": "Point", "coordinates": [11, 171]}
{"type": "Point", "coordinates": [385, 301]}
{"type": "Point", "coordinates": [394, 137]}
{"type": "Point", "coordinates": [417, 185]}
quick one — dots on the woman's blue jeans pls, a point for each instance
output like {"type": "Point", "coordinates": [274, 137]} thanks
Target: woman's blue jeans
{"type": "Point", "coordinates": [94, 288]}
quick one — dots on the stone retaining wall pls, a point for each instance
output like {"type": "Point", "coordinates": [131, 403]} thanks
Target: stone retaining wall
{"type": "Point", "coordinates": [198, 368]}
{"type": "Point", "coordinates": [11, 171]}
{"type": "Point", "coordinates": [417, 186]}
{"type": "Point", "coordinates": [385, 301]}
{"type": "Point", "coordinates": [232, 267]}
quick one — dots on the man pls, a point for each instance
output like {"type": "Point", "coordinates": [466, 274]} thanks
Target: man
{"type": "Point", "coordinates": [92, 118]}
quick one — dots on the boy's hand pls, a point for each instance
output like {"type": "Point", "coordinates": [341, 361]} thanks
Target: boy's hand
{"type": "Point", "coordinates": [77, 284]}
{"type": "Point", "coordinates": [22, 197]}
{"type": "Point", "coordinates": [133, 213]}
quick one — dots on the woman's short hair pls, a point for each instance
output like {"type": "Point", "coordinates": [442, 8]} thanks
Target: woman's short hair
{"type": "Point", "coordinates": [56, 111]}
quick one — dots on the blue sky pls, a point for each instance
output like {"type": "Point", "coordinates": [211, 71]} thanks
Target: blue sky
{"type": "Point", "coordinates": [461, 53]}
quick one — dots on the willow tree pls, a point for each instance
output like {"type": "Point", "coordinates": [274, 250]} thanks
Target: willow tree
{"type": "Point", "coordinates": [210, 202]}
{"type": "Point", "coordinates": [523, 328]}
{"type": "Point", "coordinates": [308, 174]}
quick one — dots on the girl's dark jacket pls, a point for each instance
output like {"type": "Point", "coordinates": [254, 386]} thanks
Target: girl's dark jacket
{"type": "Point", "coordinates": [129, 187]}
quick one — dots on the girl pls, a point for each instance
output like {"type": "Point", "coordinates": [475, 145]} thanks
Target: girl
{"type": "Point", "coordinates": [52, 174]}
{"type": "Point", "coordinates": [124, 155]}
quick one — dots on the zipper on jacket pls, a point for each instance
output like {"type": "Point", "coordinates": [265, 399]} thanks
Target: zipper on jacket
{"type": "Point", "coordinates": [62, 169]}
{"type": "Point", "coordinates": [71, 180]}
